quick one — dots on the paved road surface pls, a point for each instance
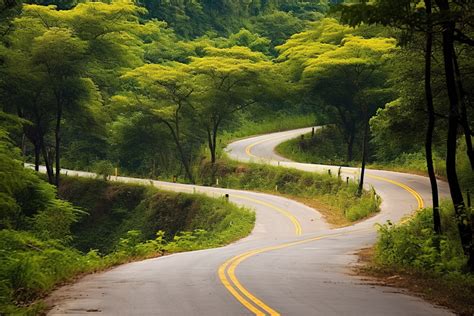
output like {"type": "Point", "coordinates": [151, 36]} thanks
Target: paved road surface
{"type": "Point", "coordinates": [292, 263]}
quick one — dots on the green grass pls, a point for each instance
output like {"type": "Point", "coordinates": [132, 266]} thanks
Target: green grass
{"type": "Point", "coordinates": [123, 223]}
{"type": "Point", "coordinates": [328, 148]}
{"type": "Point", "coordinates": [334, 194]}
{"type": "Point", "coordinates": [270, 124]}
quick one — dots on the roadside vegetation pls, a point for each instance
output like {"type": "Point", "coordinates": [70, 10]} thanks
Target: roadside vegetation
{"type": "Point", "coordinates": [155, 88]}
{"type": "Point", "coordinates": [337, 200]}
{"type": "Point", "coordinates": [326, 147]}
{"type": "Point", "coordinates": [46, 241]}
{"type": "Point", "coordinates": [413, 256]}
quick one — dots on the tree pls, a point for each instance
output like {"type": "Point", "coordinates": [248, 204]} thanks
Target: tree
{"type": "Point", "coordinates": [165, 91]}
{"type": "Point", "coordinates": [61, 55]}
{"type": "Point", "coordinates": [410, 19]}
{"type": "Point", "coordinates": [229, 80]}
{"type": "Point", "coordinates": [454, 117]}
{"type": "Point", "coordinates": [450, 15]}
{"type": "Point", "coordinates": [277, 26]}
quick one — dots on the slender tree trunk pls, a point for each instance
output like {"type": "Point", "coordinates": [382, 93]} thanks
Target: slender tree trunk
{"type": "Point", "coordinates": [47, 163]}
{"type": "Point", "coordinates": [364, 152]}
{"type": "Point", "coordinates": [184, 161]}
{"type": "Point", "coordinates": [215, 130]}
{"type": "Point", "coordinates": [350, 146]}
{"type": "Point", "coordinates": [464, 222]}
{"type": "Point", "coordinates": [57, 147]}
{"type": "Point", "coordinates": [431, 121]}
{"type": "Point", "coordinates": [464, 119]}
{"type": "Point", "coordinates": [37, 154]}
{"type": "Point", "coordinates": [211, 145]}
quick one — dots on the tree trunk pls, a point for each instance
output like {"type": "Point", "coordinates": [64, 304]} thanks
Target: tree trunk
{"type": "Point", "coordinates": [364, 152]}
{"type": "Point", "coordinates": [350, 146]}
{"type": "Point", "coordinates": [431, 121]}
{"type": "Point", "coordinates": [37, 155]}
{"type": "Point", "coordinates": [211, 145]}
{"type": "Point", "coordinates": [464, 119]}
{"type": "Point", "coordinates": [184, 161]}
{"type": "Point", "coordinates": [464, 222]}
{"type": "Point", "coordinates": [57, 145]}
{"type": "Point", "coordinates": [47, 163]}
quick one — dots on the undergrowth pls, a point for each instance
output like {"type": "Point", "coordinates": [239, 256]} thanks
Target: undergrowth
{"type": "Point", "coordinates": [327, 189]}
{"type": "Point", "coordinates": [327, 147]}
{"type": "Point", "coordinates": [31, 265]}
{"type": "Point", "coordinates": [437, 264]}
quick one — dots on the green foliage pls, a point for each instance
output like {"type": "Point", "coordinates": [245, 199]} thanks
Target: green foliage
{"type": "Point", "coordinates": [103, 169]}
{"type": "Point", "coordinates": [115, 208]}
{"type": "Point", "coordinates": [33, 263]}
{"type": "Point", "coordinates": [326, 147]}
{"type": "Point", "coordinates": [413, 245]}
{"type": "Point", "coordinates": [328, 189]}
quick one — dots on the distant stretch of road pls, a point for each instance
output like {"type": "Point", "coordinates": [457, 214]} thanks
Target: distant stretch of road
{"type": "Point", "coordinates": [293, 263]}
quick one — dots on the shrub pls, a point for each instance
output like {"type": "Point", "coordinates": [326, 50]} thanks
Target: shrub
{"type": "Point", "coordinates": [103, 168]}
{"type": "Point", "coordinates": [413, 245]}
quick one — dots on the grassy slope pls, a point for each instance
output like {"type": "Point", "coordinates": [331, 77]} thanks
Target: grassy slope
{"type": "Point", "coordinates": [122, 224]}
{"type": "Point", "coordinates": [336, 200]}
{"type": "Point", "coordinates": [115, 208]}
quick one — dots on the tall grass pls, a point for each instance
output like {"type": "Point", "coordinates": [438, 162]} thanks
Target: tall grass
{"type": "Point", "coordinates": [327, 189]}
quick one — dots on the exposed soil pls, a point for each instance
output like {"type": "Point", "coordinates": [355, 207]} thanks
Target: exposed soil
{"type": "Point", "coordinates": [433, 289]}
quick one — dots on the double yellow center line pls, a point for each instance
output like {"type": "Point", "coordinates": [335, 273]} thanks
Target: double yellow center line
{"type": "Point", "coordinates": [227, 269]}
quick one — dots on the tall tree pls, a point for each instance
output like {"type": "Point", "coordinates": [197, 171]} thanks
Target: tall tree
{"type": "Point", "coordinates": [165, 91]}
{"type": "Point", "coordinates": [229, 81]}
{"type": "Point", "coordinates": [407, 17]}
{"type": "Point", "coordinates": [454, 117]}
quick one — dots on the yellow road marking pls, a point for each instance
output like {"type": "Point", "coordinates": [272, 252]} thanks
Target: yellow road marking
{"type": "Point", "coordinates": [234, 286]}
{"type": "Point", "coordinates": [234, 292]}
{"type": "Point", "coordinates": [412, 191]}
{"type": "Point", "coordinates": [232, 264]}
{"type": "Point", "coordinates": [291, 217]}
{"type": "Point", "coordinates": [248, 149]}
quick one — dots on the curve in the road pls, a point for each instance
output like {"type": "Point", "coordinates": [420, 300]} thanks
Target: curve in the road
{"type": "Point", "coordinates": [291, 264]}
{"type": "Point", "coordinates": [234, 262]}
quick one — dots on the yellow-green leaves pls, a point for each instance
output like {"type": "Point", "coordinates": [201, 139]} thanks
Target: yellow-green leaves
{"type": "Point", "coordinates": [354, 51]}
{"type": "Point", "coordinates": [59, 51]}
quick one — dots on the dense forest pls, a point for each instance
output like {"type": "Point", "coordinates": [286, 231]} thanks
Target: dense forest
{"type": "Point", "coordinates": [155, 88]}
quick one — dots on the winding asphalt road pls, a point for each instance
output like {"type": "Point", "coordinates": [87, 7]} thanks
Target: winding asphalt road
{"type": "Point", "coordinates": [292, 263]}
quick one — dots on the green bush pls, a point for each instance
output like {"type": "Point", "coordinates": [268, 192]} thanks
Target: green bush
{"type": "Point", "coordinates": [103, 168]}
{"type": "Point", "coordinates": [413, 245]}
